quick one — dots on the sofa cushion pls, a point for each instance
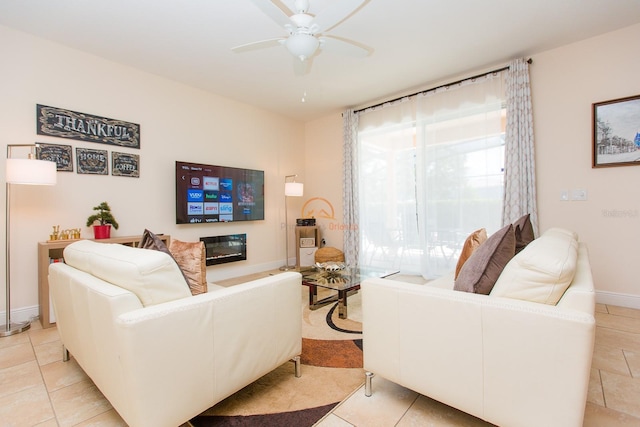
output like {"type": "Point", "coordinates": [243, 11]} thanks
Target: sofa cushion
{"type": "Point", "coordinates": [470, 245]}
{"type": "Point", "coordinates": [524, 232]}
{"type": "Point", "coordinates": [152, 275]}
{"type": "Point", "coordinates": [191, 259]}
{"type": "Point", "coordinates": [483, 267]}
{"type": "Point", "coordinates": [542, 271]}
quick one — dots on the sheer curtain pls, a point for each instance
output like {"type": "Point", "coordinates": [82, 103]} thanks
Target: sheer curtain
{"type": "Point", "coordinates": [430, 173]}
{"type": "Point", "coordinates": [386, 158]}
{"type": "Point", "coordinates": [460, 159]}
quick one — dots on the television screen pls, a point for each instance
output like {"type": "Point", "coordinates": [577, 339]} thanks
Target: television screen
{"type": "Point", "coordinates": [206, 194]}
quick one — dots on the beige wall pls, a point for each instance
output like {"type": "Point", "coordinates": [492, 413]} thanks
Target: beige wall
{"type": "Point", "coordinates": [565, 82]}
{"type": "Point", "coordinates": [177, 123]}
{"type": "Point", "coordinates": [323, 171]}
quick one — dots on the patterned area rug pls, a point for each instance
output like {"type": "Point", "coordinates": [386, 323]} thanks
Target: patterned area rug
{"type": "Point", "coordinates": [331, 371]}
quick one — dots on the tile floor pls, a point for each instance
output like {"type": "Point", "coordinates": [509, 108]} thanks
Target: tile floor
{"type": "Point", "coordinates": [38, 389]}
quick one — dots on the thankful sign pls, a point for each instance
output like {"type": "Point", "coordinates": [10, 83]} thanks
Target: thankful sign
{"type": "Point", "coordinates": [63, 123]}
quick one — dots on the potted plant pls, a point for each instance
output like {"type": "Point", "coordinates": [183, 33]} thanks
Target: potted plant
{"type": "Point", "coordinates": [102, 221]}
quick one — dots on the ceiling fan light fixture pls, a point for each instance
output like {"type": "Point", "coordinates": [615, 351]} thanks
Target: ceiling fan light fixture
{"type": "Point", "coordinates": [302, 46]}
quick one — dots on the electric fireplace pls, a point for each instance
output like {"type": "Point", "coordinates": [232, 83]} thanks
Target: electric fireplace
{"type": "Point", "coordinates": [223, 249]}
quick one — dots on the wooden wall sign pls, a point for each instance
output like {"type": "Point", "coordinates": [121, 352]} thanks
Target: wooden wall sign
{"type": "Point", "coordinates": [94, 162]}
{"type": "Point", "coordinates": [124, 164]}
{"type": "Point", "coordinates": [63, 123]}
{"type": "Point", "coordinates": [61, 154]}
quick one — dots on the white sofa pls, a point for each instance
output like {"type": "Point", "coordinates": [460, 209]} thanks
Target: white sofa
{"type": "Point", "coordinates": [507, 360]}
{"type": "Point", "coordinates": [158, 354]}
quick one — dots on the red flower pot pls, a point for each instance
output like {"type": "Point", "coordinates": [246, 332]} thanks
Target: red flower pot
{"type": "Point", "coordinates": [102, 231]}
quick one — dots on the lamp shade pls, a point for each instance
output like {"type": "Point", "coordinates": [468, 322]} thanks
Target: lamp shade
{"type": "Point", "coordinates": [31, 172]}
{"type": "Point", "coordinates": [293, 189]}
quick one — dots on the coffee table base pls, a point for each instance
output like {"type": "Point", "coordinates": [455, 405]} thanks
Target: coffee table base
{"type": "Point", "coordinates": [341, 297]}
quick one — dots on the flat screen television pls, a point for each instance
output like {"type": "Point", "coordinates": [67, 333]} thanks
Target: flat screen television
{"type": "Point", "coordinates": [209, 194]}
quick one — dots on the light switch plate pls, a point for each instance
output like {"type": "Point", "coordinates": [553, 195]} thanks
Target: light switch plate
{"type": "Point", "coordinates": [579, 194]}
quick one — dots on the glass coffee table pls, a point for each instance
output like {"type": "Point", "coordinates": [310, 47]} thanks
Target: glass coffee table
{"type": "Point", "coordinates": [346, 282]}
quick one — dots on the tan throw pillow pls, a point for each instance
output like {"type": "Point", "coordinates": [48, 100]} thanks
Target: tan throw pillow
{"type": "Point", "coordinates": [482, 269]}
{"type": "Point", "coordinates": [190, 256]}
{"type": "Point", "coordinates": [474, 240]}
{"type": "Point", "coordinates": [524, 232]}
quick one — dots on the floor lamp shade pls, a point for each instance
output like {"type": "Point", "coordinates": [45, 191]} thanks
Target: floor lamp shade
{"type": "Point", "coordinates": [31, 172]}
{"type": "Point", "coordinates": [293, 189]}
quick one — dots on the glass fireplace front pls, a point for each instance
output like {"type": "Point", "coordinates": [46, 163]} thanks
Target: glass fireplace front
{"type": "Point", "coordinates": [222, 249]}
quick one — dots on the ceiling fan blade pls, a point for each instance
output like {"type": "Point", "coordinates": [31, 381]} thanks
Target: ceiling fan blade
{"type": "Point", "coordinates": [344, 46]}
{"type": "Point", "coordinates": [335, 13]}
{"type": "Point", "coordinates": [275, 10]}
{"type": "Point", "coordinates": [258, 45]}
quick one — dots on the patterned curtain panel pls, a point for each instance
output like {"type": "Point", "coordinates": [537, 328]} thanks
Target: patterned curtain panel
{"type": "Point", "coordinates": [350, 188]}
{"type": "Point", "coordinates": [520, 176]}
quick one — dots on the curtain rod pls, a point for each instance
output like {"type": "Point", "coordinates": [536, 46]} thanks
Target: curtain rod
{"type": "Point", "coordinates": [529, 61]}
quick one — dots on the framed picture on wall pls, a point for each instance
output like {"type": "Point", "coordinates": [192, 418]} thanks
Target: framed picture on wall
{"type": "Point", "coordinates": [616, 132]}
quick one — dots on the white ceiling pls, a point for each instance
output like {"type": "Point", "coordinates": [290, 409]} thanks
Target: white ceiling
{"type": "Point", "coordinates": [415, 43]}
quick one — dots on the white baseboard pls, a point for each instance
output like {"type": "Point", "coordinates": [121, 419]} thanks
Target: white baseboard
{"type": "Point", "coordinates": [621, 300]}
{"type": "Point", "coordinates": [22, 314]}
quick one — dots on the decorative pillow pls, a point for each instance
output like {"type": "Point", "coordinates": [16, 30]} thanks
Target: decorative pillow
{"type": "Point", "coordinates": [524, 232]}
{"type": "Point", "coordinates": [150, 240]}
{"type": "Point", "coordinates": [191, 258]}
{"type": "Point", "coordinates": [474, 240]}
{"type": "Point", "coordinates": [152, 275]}
{"type": "Point", "coordinates": [543, 271]}
{"type": "Point", "coordinates": [484, 266]}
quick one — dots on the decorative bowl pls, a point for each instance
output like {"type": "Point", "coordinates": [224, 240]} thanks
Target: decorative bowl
{"type": "Point", "coordinates": [330, 266]}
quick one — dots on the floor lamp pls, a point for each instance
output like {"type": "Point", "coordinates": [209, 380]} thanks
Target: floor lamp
{"type": "Point", "coordinates": [21, 171]}
{"type": "Point", "coordinates": [291, 189]}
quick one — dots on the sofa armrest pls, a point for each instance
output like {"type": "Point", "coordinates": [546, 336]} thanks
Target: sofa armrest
{"type": "Point", "coordinates": [495, 358]}
{"type": "Point", "coordinates": [217, 343]}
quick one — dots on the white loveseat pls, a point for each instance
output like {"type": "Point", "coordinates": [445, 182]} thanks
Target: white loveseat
{"type": "Point", "coordinates": [158, 354]}
{"type": "Point", "coordinates": [507, 360]}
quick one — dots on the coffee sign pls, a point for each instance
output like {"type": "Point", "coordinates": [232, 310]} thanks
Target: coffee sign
{"type": "Point", "coordinates": [63, 123]}
{"type": "Point", "coordinates": [124, 164]}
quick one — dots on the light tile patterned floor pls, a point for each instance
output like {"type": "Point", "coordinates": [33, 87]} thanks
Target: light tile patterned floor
{"type": "Point", "coordinates": [38, 389]}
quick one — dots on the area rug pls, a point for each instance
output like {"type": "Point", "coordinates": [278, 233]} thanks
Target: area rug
{"type": "Point", "coordinates": [331, 370]}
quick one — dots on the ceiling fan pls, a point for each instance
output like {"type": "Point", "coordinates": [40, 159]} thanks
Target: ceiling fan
{"type": "Point", "coordinates": [307, 32]}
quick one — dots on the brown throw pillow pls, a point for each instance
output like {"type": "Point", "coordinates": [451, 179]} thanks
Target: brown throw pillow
{"type": "Point", "coordinates": [484, 266]}
{"type": "Point", "coordinates": [524, 232]}
{"type": "Point", "coordinates": [151, 241]}
{"type": "Point", "coordinates": [190, 256]}
{"type": "Point", "coordinates": [474, 240]}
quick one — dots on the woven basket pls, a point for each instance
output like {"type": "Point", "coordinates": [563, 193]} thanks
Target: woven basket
{"type": "Point", "coordinates": [329, 254]}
